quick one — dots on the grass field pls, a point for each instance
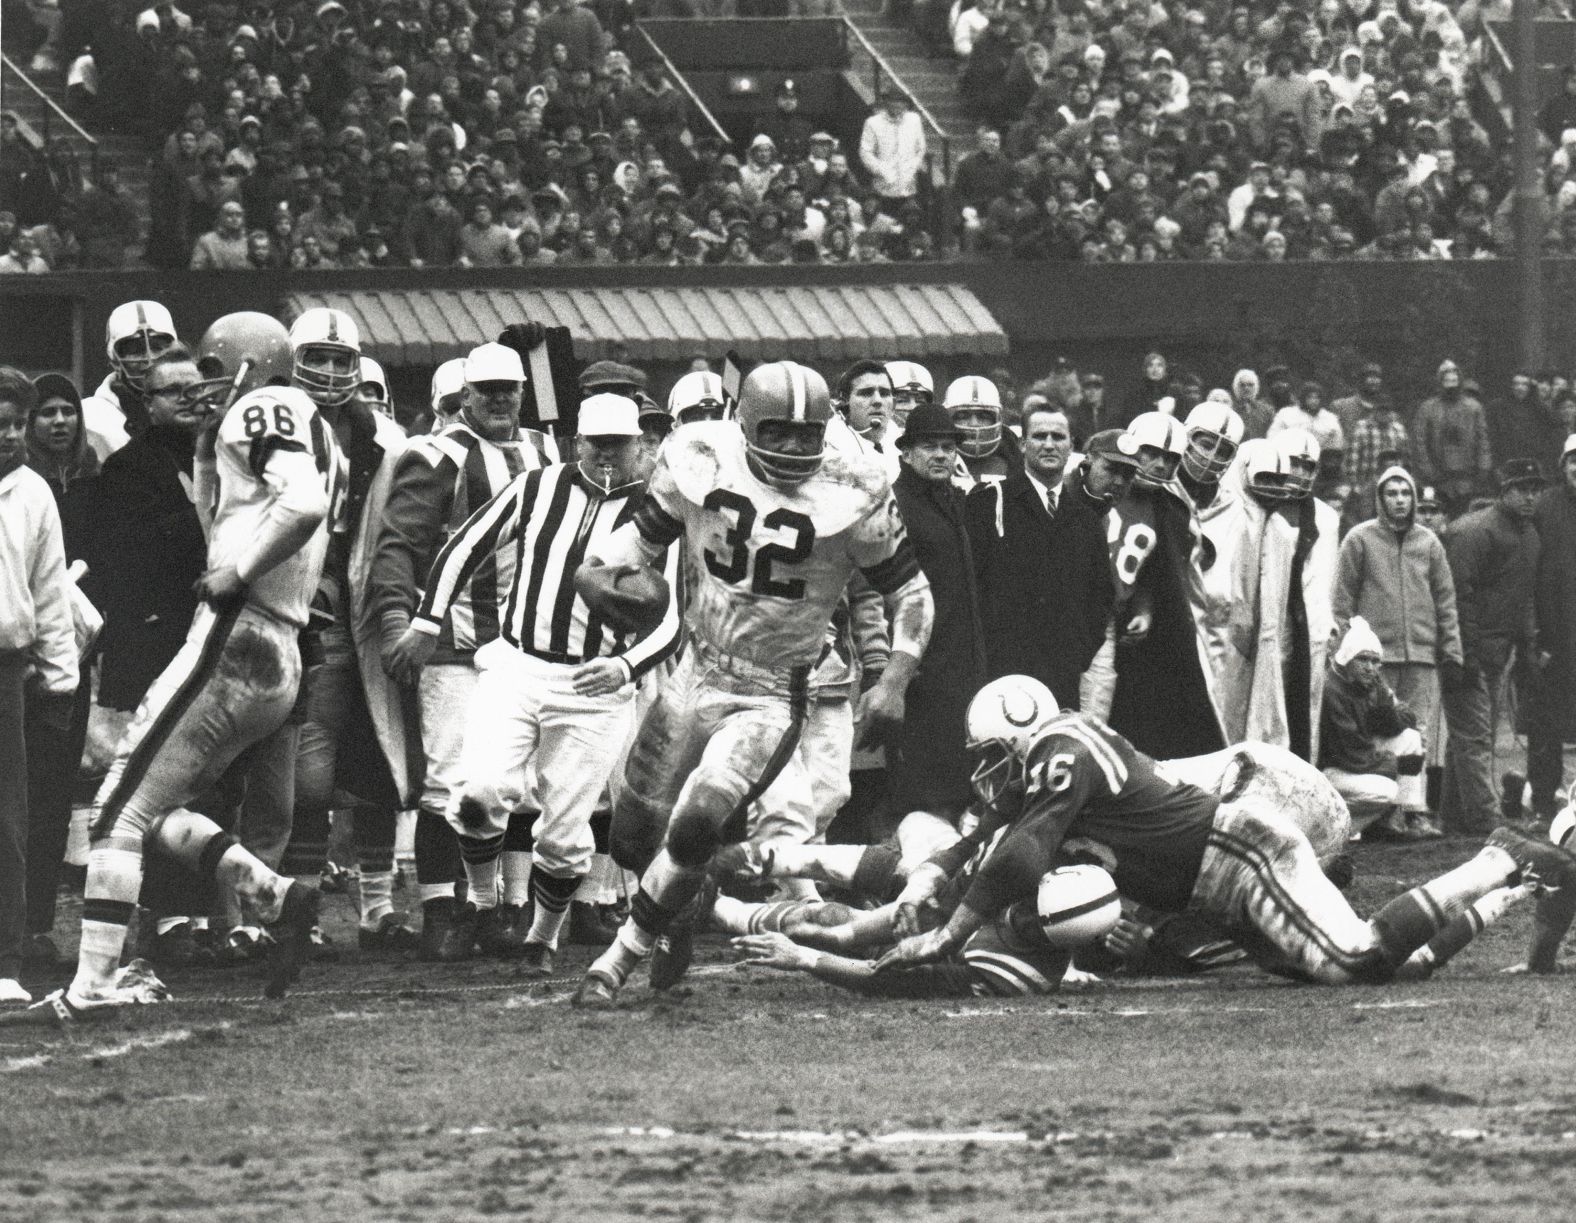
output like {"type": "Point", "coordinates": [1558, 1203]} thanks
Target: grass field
{"type": "Point", "coordinates": [384, 1090]}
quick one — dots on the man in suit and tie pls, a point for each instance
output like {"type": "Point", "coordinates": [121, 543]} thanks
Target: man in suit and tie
{"type": "Point", "coordinates": [1040, 554]}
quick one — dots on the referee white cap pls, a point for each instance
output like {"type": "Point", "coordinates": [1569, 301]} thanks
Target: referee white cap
{"type": "Point", "coordinates": [609, 415]}
{"type": "Point", "coordinates": [493, 363]}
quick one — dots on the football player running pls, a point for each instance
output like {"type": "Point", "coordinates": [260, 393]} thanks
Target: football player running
{"type": "Point", "coordinates": [1176, 848]}
{"type": "Point", "coordinates": [775, 522]}
{"type": "Point", "coordinates": [275, 473]}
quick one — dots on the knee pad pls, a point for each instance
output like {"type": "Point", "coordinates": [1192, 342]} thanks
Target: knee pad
{"type": "Point", "coordinates": [876, 874]}
{"type": "Point", "coordinates": [635, 833]}
{"type": "Point", "coordinates": [692, 840]}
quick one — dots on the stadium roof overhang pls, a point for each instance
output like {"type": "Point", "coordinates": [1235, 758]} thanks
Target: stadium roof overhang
{"type": "Point", "coordinates": [832, 322]}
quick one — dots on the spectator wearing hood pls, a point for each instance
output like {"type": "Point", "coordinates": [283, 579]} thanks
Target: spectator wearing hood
{"type": "Point", "coordinates": [1452, 451]}
{"type": "Point", "coordinates": [1552, 714]}
{"type": "Point", "coordinates": [1369, 747]}
{"type": "Point", "coordinates": [1393, 573]}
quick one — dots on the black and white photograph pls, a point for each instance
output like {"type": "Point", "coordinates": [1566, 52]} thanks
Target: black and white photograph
{"type": "Point", "coordinates": [739, 611]}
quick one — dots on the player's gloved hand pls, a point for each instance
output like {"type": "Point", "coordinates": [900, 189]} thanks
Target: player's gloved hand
{"type": "Point", "coordinates": [1129, 940]}
{"type": "Point", "coordinates": [878, 714]}
{"type": "Point", "coordinates": [599, 677]}
{"type": "Point", "coordinates": [1137, 628]}
{"type": "Point", "coordinates": [918, 894]}
{"type": "Point", "coordinates": [404, 657]}
{"type": "Point", "coordinates": [522, 337]}
{"type": "Point", "coordinates": [220, 585]}
{"type": "Point", "coordinates": [773, 950]}
{"type": "Point", "coordinates": [916, 950]}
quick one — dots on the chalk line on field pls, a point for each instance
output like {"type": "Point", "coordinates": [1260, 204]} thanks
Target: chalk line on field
{"type": "Point", "coordinates": [132, 1044]}
{"type": "Point", "coordinates": [994, 1012]}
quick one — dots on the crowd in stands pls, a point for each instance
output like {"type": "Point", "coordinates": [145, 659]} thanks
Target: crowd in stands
{"type": "Point", "coordinates": [1149, 132]}
{"type": "Point", "coordinates": [436, 133]}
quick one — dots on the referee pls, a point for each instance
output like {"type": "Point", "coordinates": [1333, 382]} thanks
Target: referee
{"type": "Point", "coordinates": [557, 686]}
{"type": "Point", "coordinates": [439, 482]}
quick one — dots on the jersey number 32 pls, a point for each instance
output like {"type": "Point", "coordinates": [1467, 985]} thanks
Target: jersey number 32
{"type": "Point", "coordinates": [742, 560]}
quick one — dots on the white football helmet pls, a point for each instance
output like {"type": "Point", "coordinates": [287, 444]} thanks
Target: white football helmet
{"type": "Point", "coordinates": [1165, 441]}
{"type": "Point", "coordinates": [973, 394]}
{"type": "Point", "coordinates": [135, 335]}
{"type": "Point", "coordinates": [1301, 451]}
{"type": "Point", "coordinates": [912, 385]}
{"type": "Point", "coordinates": [697, 396]}
{"type": "Point", "coordinates": [1265, 471]}
{"type": "Point", "coordinates": [1001, 724]}
{"type": "Point", "coordinates": [374, 386]}
{"type": "Point", "coordinates": [326, 346]}
{"type": "Point", "coordinates": [1214, 431]}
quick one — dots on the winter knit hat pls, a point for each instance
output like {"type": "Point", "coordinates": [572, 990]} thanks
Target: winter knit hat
{"type": "Point", "coordinates": [1359, 639]}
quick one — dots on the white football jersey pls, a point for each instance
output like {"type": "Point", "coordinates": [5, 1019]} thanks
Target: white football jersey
{"type": "Point", "coordinates": [767, 563]}
{"type": "Point", "coordinates": [263, 431]}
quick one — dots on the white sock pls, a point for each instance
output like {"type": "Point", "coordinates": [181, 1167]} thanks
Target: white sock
{"type": "Point", "coordinates": [516, 877]}
{"type": "Point", "coordinates": [377, 897]}
{"type": "Point", "coordinates": [626, 951]}
{"type": "Point", "coordinates": [483, 880]}
{"type": "Point", "coordinates": [733, 916]}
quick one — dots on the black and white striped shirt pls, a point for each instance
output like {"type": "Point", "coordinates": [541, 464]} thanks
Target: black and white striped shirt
{"type": "Point", "coordinates": [552, 517]}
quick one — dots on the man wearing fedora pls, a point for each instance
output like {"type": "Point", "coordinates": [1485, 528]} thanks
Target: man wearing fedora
{"type": "Point", "coordinates": [1493, 556]}
{"type": "Point", "coordinates": [931, 768]}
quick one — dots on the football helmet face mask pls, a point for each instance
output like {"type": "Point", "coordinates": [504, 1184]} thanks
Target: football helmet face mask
{"type": "Point", "coordinates": [975, 406]}
{"type": "Point", "coordinates": [1265, 472]}
{"type": "Point", "coordinates": [697, 396]}
{"type": "Point", "coordinates": [1002, 721]}
{"type": "Point", "coordinates": [1214, 431]}
{"type": "Point", "coordinates": [1301, 451]}
{"type": "Point", "coordinates": [1162, 441]}
{"type": "Point", "coordinates": [135, 335]}
{"type": "Point", "coordinates": [327, 355]}
{"type": "Point", "coordinates": [912, 385]}
{"type": "Point", "coordinates": [241, 352]}
{"type": "Point", "coordinates": [785, 396]}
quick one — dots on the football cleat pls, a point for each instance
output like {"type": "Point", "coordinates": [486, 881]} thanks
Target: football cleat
{"type": "Point", "coordinates": [1547, 867]}
{"type": "Point", "coordinates": [57, 1012]}
{"type": "Point", "coordinates": [460, 937]}
{"type": "Point", "coordinates": [393, 933]}
{"type": "Point", "coordinates": [745, 861]}
{"type": "Point", "coordinates": [674, 951]}
{"type": "Point", "coordinates": [501, 932]}
{"type": "Point", "coordinates": [437, 915]}
{"type": "Point", "coordinates": [536, 960]}
{"type": "Point", "coordinates": [590, 925]}
{"type": "Point", "coordinates": [292, 937]}
{"type": "Point", "coordinates": [595, 992]}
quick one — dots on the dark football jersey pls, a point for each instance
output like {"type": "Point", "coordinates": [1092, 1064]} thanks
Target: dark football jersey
{"type": "Point", "coordinates": [1084, 780]}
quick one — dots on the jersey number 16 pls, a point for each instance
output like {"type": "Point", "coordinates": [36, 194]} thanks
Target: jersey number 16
{"type": "Point", "coordinates": [736, 566]}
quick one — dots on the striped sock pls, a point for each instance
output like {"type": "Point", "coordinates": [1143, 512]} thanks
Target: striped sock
{"type": "Point", "coordinates": [114, 879]}
{"type": "Point", "coordinates": [480, 855]}
{"type": "Point", "coordinates": [552, 896]}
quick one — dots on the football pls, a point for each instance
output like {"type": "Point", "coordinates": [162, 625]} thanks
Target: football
{"type": "Point", "coordinates": [1077, 905]}
{"type": "Point", "coordinates": [631, 598]}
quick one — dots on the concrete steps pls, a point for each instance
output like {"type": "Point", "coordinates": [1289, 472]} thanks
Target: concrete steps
{"type": "Point", "coordinates": [931, 77]}
{"type": "Point", "coordinates": [129, 153]}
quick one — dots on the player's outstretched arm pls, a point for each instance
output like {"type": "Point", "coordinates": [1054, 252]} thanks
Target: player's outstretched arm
{"type": "Point", "coordinates": [937, 944]}
{"type": "Point", "coordinates": [780, 952]}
